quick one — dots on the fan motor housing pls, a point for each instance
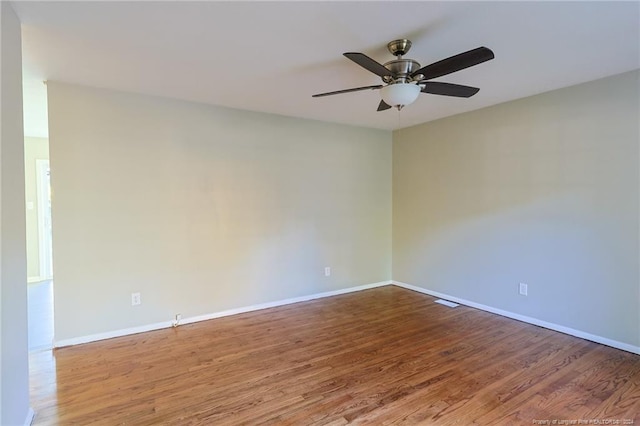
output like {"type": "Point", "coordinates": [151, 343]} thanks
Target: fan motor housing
{"type": "Point", "coordinates": [402, 68]}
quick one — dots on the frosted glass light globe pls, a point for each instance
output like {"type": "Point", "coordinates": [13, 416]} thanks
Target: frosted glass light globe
{"type": "Point", "coordinates": [400, 93]}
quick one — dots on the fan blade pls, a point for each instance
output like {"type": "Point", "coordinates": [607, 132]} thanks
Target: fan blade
{"type": "Point", "coordinates": [355, 89]}
{"type": "Point", "coordinates": [369, 64]}
{"type": "Point", "coordinates": [448, 89]}
{"type": "Point", "coordinates": [455, 63]}
{"type": "Point", "coordinates": [382, 106]}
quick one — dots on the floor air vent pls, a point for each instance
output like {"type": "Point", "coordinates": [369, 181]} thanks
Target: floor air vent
{"type": "Point", "coordinates": [447, 303]}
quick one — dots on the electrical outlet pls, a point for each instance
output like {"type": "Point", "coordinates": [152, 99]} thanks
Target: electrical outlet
{"type": "Point", "coordinates": [523, 289]}
{"type": "Point", "coordinates": [327, 271]}
{"type": "Point", "coordinates": [135, 299]}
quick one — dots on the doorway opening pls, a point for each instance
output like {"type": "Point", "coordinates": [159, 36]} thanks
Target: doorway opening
{"type": "Point", "coordinates": [40, 288]}
{"type": "Point", "coordinates": [45, 242]}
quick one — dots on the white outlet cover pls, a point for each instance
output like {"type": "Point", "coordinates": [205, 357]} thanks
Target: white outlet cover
{"type": "Point", "coordinates": [327, 271]}
{"type": "Point", "coordinates": [523, 289]}
{"type": "Point", "coordinates": [135, 299]}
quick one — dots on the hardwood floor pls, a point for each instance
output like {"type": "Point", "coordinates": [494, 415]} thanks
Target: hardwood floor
{"type": "Point", "coordinates": [381, 356]}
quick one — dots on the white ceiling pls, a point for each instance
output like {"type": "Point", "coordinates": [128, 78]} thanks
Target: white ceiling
{"type": "Point", "coordinates": [272, 56]}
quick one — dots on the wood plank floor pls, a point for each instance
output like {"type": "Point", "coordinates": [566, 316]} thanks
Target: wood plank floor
{"type": "Point", "coordinates": [381, 356]}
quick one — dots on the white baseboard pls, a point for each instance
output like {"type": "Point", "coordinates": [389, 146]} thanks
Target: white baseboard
{"type": "Point", "coordinates": [30, 416]}
{"type": "Point", "coordinates": [281, 302]}
{"type": "Point", "coordinates": [110, 334]}
{"type": "Point", "coordinates": [562, 329]}
{"type": "Point", "coordinates": [530, 320]}
{"type": "Point", "coordinates": [189, 320]}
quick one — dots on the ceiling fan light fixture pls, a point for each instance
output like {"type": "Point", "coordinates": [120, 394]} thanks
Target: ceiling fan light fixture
{"type": "Point", "coordinates": [405, 80]}
{"type": "Point", "coordinates": [400, 94]}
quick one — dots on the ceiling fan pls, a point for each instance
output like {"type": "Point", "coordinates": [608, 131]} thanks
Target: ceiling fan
{"type": "Point", "coordinates": [405, 80]}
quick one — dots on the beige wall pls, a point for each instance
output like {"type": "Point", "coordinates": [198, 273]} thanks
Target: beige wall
{"type": "Point", "coordinates": [543, 190]}
{"type": "Point", "coordinates": [203, 209]}
{"type": "Point", "coordinates": [34, 149]}
{"type": "Point", "coordinates": [14, 367]}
